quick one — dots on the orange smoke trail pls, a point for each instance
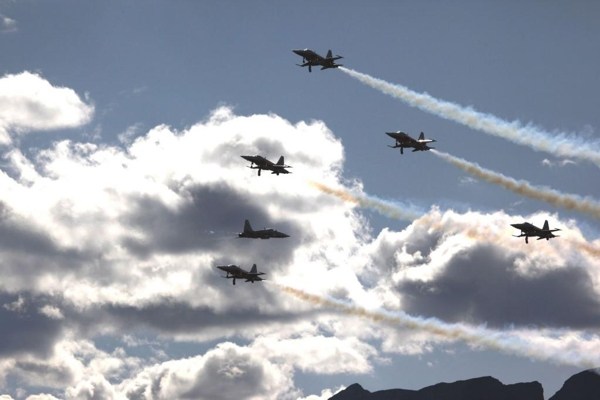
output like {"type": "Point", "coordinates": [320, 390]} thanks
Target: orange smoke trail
{"type": "Point", "coordinates": [524, 188]}
{"type": "Point", "coordinates": [479, 336]}
{"type": "Point", "coordinates": [386, 208]}
{"type": "Point", "coordinates": [589, 248]}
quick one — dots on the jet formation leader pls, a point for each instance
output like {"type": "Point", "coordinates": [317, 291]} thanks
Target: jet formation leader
{"type": "Point", "coordinates": [311, 59]}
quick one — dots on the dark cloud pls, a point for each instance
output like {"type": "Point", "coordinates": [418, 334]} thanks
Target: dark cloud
{"type": "Point", "coordinates": [20, 237]}
{"type": "Point", "coordinates": [172, 317]}
{"type": "Point", "coordinates": [28, 255]}
{"type": "Point", "coordinates": [24, 329]}
{"type": "Point", "coordinates": [211, 222]}
{"type": "Point", "coordinates": [482, 285]}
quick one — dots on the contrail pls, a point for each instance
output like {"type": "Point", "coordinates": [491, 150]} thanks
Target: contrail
{"type": "Point", "coordinates": [387, 208]}
{"type": "Point", "coordinates": [524, 188]}
{"type": "Point", "coordinates": [561, 145]}
{"type": "Point", "coordinates": [504, 341]}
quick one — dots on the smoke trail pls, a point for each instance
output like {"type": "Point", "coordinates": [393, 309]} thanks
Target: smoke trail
{"type": "Point", "coordinates": [387, 208]}
{"type": "Point", "coordinates": [589, 248]}
{"type": "Point", "coordinates": [560, 145]}
{"type": "Point", "coordinates": [524, 188]}
{"type": "Point", "coordinates": [478, 336]}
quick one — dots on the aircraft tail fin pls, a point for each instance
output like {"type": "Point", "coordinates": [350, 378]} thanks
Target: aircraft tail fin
{"type": "Point", "coordinates": [546, 226]}
{"type": "Point", "coordinates": [280, 162]}
{"type": "Point", "coordinates": [422, 136]}
{"type": "Point", "coordinates": [329, 54]}
{"type": "Point", "coordinates": [253, 270]}
{"type": "Point", "coordinates": [247, 226]}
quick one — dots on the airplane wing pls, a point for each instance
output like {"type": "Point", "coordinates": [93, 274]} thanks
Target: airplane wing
{"type": "Point", "coordinates": [527, 227]}
{"type": "Point", "coordinates": [401, 137]}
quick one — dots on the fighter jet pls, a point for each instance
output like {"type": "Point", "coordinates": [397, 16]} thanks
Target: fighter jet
{"type": "Point", "coordinates": [260, 163]}
{"type": "Point", "coordinates": [261, 233]}
{"type": "Point", "coordinates": [403, 141]}
{"type": "Point", "coordinates": [529, 230]}
{"type": "Point", "coordinates": [310, 59]}
{"type": "Point", "coordinates": [234, 272]}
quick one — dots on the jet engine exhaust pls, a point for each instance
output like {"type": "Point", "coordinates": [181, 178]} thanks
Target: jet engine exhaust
{"type": "Point", "coordinates": [545, 345]}
{"type": "Point", "coordinates": [554, 197]}
{"type": "Point", "coordinates": [560, 144]}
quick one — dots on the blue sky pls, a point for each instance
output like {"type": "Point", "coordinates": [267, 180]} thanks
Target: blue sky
{"type": "Point", "coordinates": [122, 126]}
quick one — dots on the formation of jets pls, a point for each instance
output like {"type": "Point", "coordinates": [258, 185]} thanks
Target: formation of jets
{"type": "Point", "coordinates": [403, 141]}
{"type": "Point", "coordinates": [529, 230]}
{"type": "Point", "coordinates": [234, 272]}
{"type": "Point", "coordinates": [311, 59]}
{"type": "Point", "coordinates": [260, 163]}
{"type": "Point", "coordinates": [260, 233]}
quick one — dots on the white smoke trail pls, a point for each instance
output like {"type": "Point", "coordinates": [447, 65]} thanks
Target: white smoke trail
{"type": "Point", "coordinates": [524, 188]}
{"type": "Point", "coordinates": [561, 145]}
{"type": "Point", "coordinates": [384, 207]}
{"type": "Point", "coordinates": [559, 346]}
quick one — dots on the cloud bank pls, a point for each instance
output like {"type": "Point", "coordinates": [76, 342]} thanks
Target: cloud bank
{"type": "Point", "coordinates": [108, 259]}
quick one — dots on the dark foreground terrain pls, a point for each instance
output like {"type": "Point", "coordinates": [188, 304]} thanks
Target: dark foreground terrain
{"type": "Point", "coordinates": [582, 386]}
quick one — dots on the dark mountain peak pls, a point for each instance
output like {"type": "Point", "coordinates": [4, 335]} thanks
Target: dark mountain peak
{"type": "Point", "coordinates": [483, 388]}
{"type": "Point", "coordinates": [582, 386]}
{"type": "Point", "coordinates": [354, 392]}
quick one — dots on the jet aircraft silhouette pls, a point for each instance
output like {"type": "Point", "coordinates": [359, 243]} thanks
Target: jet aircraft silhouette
{"type": "Point", "coordinates": [260, 163]}
{"type": "Point", "coordinates": [404, 141]}
{"type": "Point", "coordinates": [260, 233]}
{"type": "Point", "coordinates": [311, 59]}
{"type": "Point", "coordinates": [529, 230]}
{"type": "Point", "coordinates": [234, 272]}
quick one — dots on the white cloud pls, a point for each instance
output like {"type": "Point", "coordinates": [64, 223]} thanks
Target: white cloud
{"type": "Point", "coordinates": [560, 163]}
{"type": "Point", "coordinates": [7, 24]}
{"type": "Point", "coordinates": [51, 312]}
{"type": "Point", "coordinates": [226, 372]}
{"type": "Point", "coordinates": [29, 103]}
{"type": "Point", "coordinates": [129, 238]}
{"type": "Point", "coordinates": [153, 202]}
{"type": "Point", "coordinates": [319, 354]}
{"type": "Point", "coordinates": [325, 394]}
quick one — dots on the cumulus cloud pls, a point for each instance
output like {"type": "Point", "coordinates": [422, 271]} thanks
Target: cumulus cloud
{"type": "Point", "coordinates": [29, 103]}
{"type": "Point", "coordinates": [320, 354]}
{"type": "Point", "coordinates": [468, 267]}
{"type": "Point", "coordinates": [168, 206]}
{"type": "Point", "coordinates": [98, 240]}
{"type": "Point", "coordinates": [226, 372]}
